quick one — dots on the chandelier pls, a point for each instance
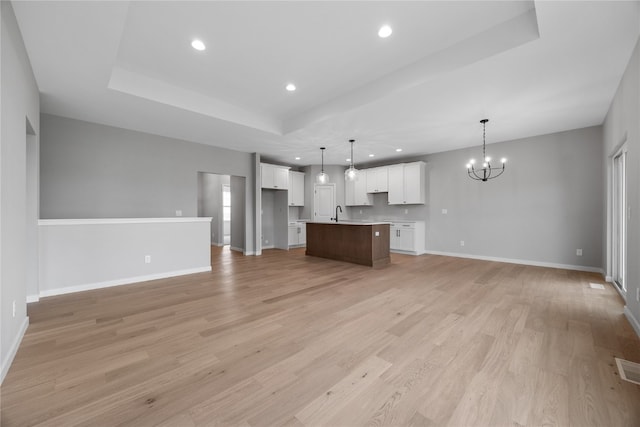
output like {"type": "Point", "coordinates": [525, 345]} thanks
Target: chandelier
{"type": "Point", "coordinates": [322, 178]}
{"type": "Point", "coordinates": [487, 172]}
{"type": "Point", "coordinates": [350, 174]}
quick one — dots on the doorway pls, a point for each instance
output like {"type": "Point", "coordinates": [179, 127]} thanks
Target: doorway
{"type": "Point", "coordinates": [226, 214]}
{"type": "Point", "coordinates": [620, 217]}
{"type": "Point", "coordinates": [223, 199]}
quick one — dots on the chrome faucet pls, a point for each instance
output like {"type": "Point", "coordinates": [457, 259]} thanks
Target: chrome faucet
{"type": "Point", "coordinates": [336, 218]}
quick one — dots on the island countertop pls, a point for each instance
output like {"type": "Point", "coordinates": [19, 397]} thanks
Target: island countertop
{"type": "Point", "coordinates": [365, 243]}
{"type": "Point", "coordinates": [357, 222]}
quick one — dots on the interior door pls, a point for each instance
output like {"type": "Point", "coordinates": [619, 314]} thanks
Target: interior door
{"type": "Point", "coordinates": [324, 202]}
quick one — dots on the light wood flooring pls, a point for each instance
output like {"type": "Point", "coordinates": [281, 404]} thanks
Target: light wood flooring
{"type": "Point", "coordinates": [284, 339]}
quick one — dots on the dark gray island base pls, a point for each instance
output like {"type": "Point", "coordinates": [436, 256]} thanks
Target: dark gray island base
{"type": "Point", "coordinates": [356, 242]}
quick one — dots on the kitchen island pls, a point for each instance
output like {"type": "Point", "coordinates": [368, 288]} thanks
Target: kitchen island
{"type": "Point", "coordinates": [365, 243]}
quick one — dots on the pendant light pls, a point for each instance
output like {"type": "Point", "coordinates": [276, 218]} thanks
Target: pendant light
{"type": "Point", "coordinates": [487, 172]}
{"type": "Point", "coordinates": [322, 178]}
{"type": "Point", "coordinates": [351, 173]}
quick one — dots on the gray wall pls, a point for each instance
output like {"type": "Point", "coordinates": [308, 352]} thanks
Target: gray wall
{"type": "Point", "coordinates": [622, 125]}
{"type": "Point", "coordinates": [89, 170]}
{"type": "Point", "coordinates": [268, 218]}
{"type": "Point", "coordinates": [238, 212]}
{"type": "Point", "coordinates": [209, 196]}
{"type": "Point", "coordinates": [19, 103]}
{"type": "Point", "coordinates": [547, 204]}
{"type": "Point", "coordinates": [336, 176]}
{"type": "Point", "coordinates": [210, 202]}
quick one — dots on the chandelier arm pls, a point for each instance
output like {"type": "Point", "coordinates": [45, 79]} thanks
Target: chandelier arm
{"type": "Point", "coordinates": [473, 175]}
{"type": "Point", "coordinates": [499, 173]}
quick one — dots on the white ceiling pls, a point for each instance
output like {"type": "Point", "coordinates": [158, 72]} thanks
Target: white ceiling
{"type": "Point", "coordinates": [530, 67]}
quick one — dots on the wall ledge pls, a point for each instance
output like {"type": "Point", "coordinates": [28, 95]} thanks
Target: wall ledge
{"type": "Point", "coordinates": [98, 221]}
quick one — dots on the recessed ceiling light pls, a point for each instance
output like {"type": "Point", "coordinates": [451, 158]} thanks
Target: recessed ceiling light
{"type": "Point", "coordinates": [384, 31]}
{"type": "Point", "coordinates": [371, 155]}
{"type": "Point", "coordinates": [398, 150]}
{"type": "Point", "coordinates": [297, 158]}
{"type": "Point", "coordinates": [290, 87]}
{"type": "Point", "coordinates": [198, 45]}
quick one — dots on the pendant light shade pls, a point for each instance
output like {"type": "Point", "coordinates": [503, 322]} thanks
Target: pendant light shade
{"type": "Point", "coordinates": [351, 173]}
{"type": "Point", "coordinates": [322, 178]}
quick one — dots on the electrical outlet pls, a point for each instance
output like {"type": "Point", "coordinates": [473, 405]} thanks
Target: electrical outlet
{"type": "Point", "coordinates": [360, 211]}
{"type": "Point", "coordinates": [444, 211]}
{"type": "Point", "coordinates": [14, 308]}
{"type": "Point", "coordinates": [406, 211]}
{"type": "Point", "coordinates": [461, 242]}
{"type": "Point", "coordinates": [579, 252]}
{"type": "Point", "coordinates": [178, 212]}
{"type": "Point", "coordinates": [147, 259]}
{"type": "Point", "coordinates": [266, 242]}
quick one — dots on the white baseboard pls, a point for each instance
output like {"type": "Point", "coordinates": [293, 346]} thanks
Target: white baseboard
{"type": "Point", "coordinates": [634, 322]}
{"type": "Point", "coordinates": [233, 248]}
{"type": "Point", "coordinates": [400, 251]}
{"type": "Point", "coordinates": [118, 282]}
{"type": "Point", "coordinates": [33, 298]}
{"type": "Point", "coordinates": [268, 247]}
{"type": "Point", "coordinates": [520, 261]}
{"type": "Point", "coordinates": [608, 279]}
{"type": "Point", "coordinates": [6, 363]}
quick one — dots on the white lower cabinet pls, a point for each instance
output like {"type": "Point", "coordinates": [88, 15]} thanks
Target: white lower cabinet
{"type": "Point", "coordinates": [297, 234]}
{"type": "Point", "coordinates": [407, 237]}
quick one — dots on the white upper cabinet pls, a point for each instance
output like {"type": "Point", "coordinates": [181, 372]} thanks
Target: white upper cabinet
{"type": "Point", "coordinates": [377, 180]}
{"type": "Point", "coordinates": [273, 176]}
{"type": "Point", "coordinates": [355, 192]}
{"type": "Point", "coordinates": [396, 184]}
{"type": "Point", "coordinates": [296, 188]}
{"type": "Point", "coordinates": [407, 183]}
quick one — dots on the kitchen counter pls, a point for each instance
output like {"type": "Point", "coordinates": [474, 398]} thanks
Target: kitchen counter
{"type": "Point", "coordinates": [358, 242]}
{"type": "Point", "coordinates": [361, 222]}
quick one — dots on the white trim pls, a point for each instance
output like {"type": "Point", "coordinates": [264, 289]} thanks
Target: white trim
{"type": "Point", "coordinates": [100, 221]}
{"type": "Point", "coordinates": [233, 248]}
{"type": "Point", "coordinates": [414, 253]}
{"type": "Point", "coordinates": [6, 363]}
{"type": "Point", "coordinates": [118, 282]}
{"type": "Point", "coordinates": [631, 318]}
{"type": "Point", "coordinates": [268, 247]}
{"type": "Point", "coordinates": [623, 295]}
{"type": "Point", "coordinates": [33, 298]}
{"type": "Point", "coordinates": [520, 261]}
{"type": "Point", "coordinates": [608, 279]}
{"type": "Point", "coordinates": [250, 253]}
